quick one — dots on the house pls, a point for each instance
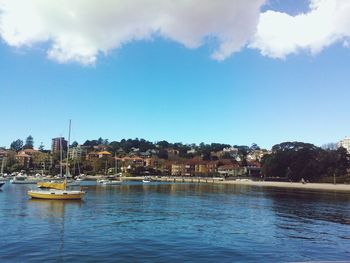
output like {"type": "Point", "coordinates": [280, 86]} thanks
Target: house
{"type": "Point", "coordinates": [182, 169]}
{"type": "Point", "coordinates": [128, 162]}
{"type": "Point", "coordinates": [231, 170]}
{"type": "Point", "coordinates": [253, 169]}
{"type": "Point", "coordinates": [151, 162]}
{"type": "Point", "coordinates": [256, 155]}
{"type": "Point", "coordinates": [177, 169]}
{"type": "Point", "coordinates": [104, 154]}
{"type": "Point", "coordinates": [100, 148]}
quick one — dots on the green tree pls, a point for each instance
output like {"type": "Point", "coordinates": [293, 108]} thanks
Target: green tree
{"type": "Point", "coordinates": [297, 160]}
{"type": "Point", "coordinates": [29, 143]}
{"type": "Point", "coordinates": [41, 147]}
{"type": "Point", "coordinates": [254, 147]}
{"type": "Point", "coordinates": [16, 145]}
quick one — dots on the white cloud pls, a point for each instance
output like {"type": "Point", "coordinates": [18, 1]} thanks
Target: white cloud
{"type": "Point", "coordinates": [279, 34]}
{"type": "Point", "coordinates": [80, 30]}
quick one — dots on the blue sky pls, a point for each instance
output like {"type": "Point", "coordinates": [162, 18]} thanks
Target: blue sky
{"type": "Point", "coordinates": [159, 89]}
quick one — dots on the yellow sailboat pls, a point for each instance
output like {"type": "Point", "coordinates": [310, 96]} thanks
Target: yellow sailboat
{"type": "Point", "coordinates": [54, 194]}
{"type": "Point", "coordinates": [57, 191]}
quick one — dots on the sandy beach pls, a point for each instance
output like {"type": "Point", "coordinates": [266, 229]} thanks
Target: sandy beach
{"type": "Point", "coordinates": [309, 186]}
{"type": "Point", "coordinates": [306, 186]}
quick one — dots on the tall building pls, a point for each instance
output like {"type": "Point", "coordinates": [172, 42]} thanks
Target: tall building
{"type": "Point", "coordinates": [345, 143]}
{"type": "Point", "coordinates": [56, 144]}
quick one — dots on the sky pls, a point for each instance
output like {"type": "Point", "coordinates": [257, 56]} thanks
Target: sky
{"type": "Point", "coordinates": [191, 71]}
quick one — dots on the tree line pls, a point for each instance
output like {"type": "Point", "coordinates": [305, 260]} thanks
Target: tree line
{"type": "Point", "coordinates": [296, 161]}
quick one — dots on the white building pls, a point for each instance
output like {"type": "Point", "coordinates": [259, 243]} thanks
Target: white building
{"type": "Point", "coordinates": [345, 143]}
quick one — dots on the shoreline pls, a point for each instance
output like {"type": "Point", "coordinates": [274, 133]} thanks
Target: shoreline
{"type": "Point", "coordinates": [292, 185]}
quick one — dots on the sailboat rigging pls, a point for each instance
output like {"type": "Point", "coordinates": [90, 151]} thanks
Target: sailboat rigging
{"type": "Point", "coordinates": [58, 191]}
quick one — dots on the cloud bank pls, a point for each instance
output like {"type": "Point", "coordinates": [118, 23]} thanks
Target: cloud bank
{"type": "Point", "coordinates": [279, 34]}
{"type": "Point", "coordinates": [80, 30]}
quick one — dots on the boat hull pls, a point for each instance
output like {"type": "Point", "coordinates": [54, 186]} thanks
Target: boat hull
{"type": "Point", "coordinates": [57, 195]}
{"type": "Point", "coordinates": [1, 184]}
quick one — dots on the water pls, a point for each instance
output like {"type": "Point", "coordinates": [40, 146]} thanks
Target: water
{"type": "Point", "coordinates": [175, 223]}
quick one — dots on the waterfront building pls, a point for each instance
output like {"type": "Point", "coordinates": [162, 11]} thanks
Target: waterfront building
{"type": "Point", "coordinates": [182, 169]}
{"type": "Point", "coordinates": [231, 170]}
{"type": "Point", "coordinates": [177, 169]}
{"type": "Point", "coordinates": [253, 168]}
{"type": "Point", "coordinates": [212, 167]}
{"type": "Point", "coordinates": [57, 143]}
{"type": "Point", "coordinates": [133, 161]}
{"type": "Point", "coordinates": [345, 143]}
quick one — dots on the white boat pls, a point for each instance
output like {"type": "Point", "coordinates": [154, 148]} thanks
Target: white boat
{"type": "Point", "coordinates": [101, 181]}
{"type": "Point", "coordinates": [80, 177]}
{"type": "Point", "coordinates": [111, 182]}
{"type": "Point", "coordinates": [146, 179]}
{"type": "Point", "coordinates": [19, 179]}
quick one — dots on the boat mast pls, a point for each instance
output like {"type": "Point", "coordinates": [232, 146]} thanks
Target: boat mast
{"type": "Point", "coordinates": [2, 166]}
{"type": "Point", "coordinates": [61, 157]}
{"type": "Point", "coordinates": [116, 164]}
{"type": "Point", "coordinates": [67, 165]}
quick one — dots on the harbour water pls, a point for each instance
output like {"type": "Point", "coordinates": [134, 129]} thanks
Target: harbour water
{"type": "Point", "coordinates": [163, 222]}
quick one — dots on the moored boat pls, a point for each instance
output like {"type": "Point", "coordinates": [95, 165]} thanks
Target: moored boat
{"type": "Point", "coordinates": [146, 179]}
{"type": "Point", "coordinates": [111, 182]}
{"type": "Point", "coordinates": [24, 180]}
{"type": "Point", "coordinates": [54, 194]}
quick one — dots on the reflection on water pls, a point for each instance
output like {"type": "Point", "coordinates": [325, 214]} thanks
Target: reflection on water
{"type": "Point", "coordinates": [53, 208]}
{"type": "Point", "coordinates": [176, 222]}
